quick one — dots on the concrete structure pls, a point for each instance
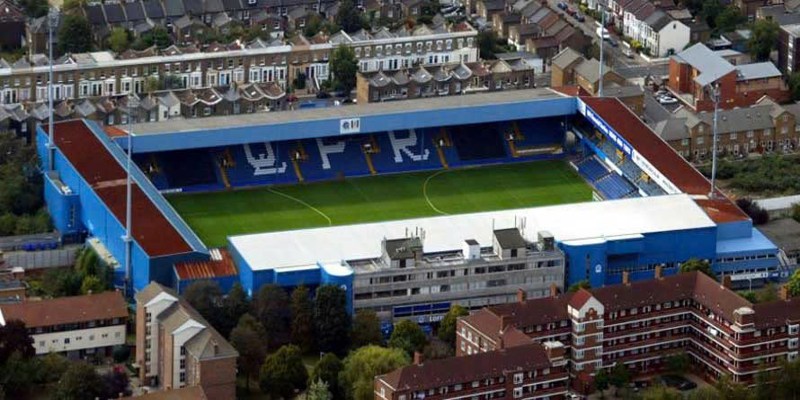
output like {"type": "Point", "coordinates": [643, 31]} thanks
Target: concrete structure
{"type": "Point", "coordinates": [688, 313]}
{"type": "Point", "coordinates": [694, 69]}
{"type": "Point", "coordinates": [78, 326]}
{"type": "Point", "coordinates": [177, 348]}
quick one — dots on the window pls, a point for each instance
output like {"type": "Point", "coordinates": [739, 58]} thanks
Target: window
{"type": "Point", "coordinates": [578, 354]}
{"type": "Point", "coordinates": [793, 343]}
{"type": "Point", "coordinates": [793, 329]}
{"type": "Point", "coordinates": [700, 140]}
{"type": "Point", "coordinates": [518, 378]}
{"type": "Point", "coordinates": [517, 393]}
{"type": "Point", "coordinates": [66, 341]}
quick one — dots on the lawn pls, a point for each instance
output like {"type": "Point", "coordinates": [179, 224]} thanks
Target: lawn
{"type": "Point", "coordinates": [215, 216]}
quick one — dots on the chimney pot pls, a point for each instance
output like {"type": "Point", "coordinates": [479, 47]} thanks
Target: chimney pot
{"type": "Point", "coordinates": [659, 272]}
{"type": "Point", "coordinates": [783, 293]}
{"type": "Point", "coordinates": [726, 282]}
{"type": "Point", "coordinates": [626, 278]}
{"type": "Point", "coordinates": [521, 295]}
{"type": "Point", "coordinates": [553, 290]}
{"type": "Point", "coordinates": [418, 358]}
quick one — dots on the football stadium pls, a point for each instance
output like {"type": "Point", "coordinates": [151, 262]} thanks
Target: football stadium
{"type": "Point", "coordinates": [410, 205]}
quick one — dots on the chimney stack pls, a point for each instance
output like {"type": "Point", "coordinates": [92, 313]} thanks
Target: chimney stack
{"type": "Point", "coordinates": [659, 273]}
{"type": "Point", "coordinates": [553, 290]}
{"type": "Point", "coordinates": [783, 293]}
{"type": "Point", "coordinates": [626, 278]}
{"type": "Point", "coordinates": [521, 295]}
{"type": "Point", "coordinates": [418, 358]}
{"type": "Point", "coordinates": [726, 282]}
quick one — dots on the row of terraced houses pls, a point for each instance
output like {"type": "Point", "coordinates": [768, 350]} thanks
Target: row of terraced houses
{"type": "Point", "coordinates": [569, 337]}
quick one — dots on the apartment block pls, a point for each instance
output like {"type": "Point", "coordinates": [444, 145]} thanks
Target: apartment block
{"type": "Point", "coordinates": [640, 324]}
{"type": "Point", "coordinates": [516, 371]}
{"type": "Point", "coordinates": [77, 326]}
{"type": "Point", "coordinates": [177, 348]}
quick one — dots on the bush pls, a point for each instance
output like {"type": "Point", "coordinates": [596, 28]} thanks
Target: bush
{"type": "Point", "coordinates": [121, 353]}
{"type": "Point", "coordinates": [758, 214]}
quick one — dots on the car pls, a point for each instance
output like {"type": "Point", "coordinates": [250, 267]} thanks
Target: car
{"type": "Point", "coordinates": [580, 17]}
{"type": "Point", "coordinates": [627, 52]}
{"type": "Point", "coordinates": [603, 33]}
{"type": "Point", "coordinates": [662, 92]}
{"type": "Point", "coordinates": [667, 100]}
{"type": "Point", "coordinates": [678, 382]}
{"type": "Point", "coordinates": [612, 42]}
{"type": "Point", "coordinates": [571, 11]}
{"type": "Point", "coordinates": [562, 5]}
{"type": "Point", "coordinates": [323, 95]}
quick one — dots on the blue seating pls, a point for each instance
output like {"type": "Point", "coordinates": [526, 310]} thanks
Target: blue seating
{"type": "Point", "coordinates": [614, 186]}
{"type": "Point", "coordinates": [405, 151]}
{"type": "Point", "coordinates": [480, 142]}
{"type": "Point", "coordinates": [187, 168]}
{"type": "Point", "coordinates": [259, 164]}
{"type": "Point", "coordinates": [592, 169]}
{"type": "Point", "coordinates": [541, 131]}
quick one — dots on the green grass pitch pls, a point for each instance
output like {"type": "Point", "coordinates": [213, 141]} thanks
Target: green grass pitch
{"type": "Point", "coordinates": [215, 216]}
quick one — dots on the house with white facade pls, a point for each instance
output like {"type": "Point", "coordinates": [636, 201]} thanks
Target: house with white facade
{"type": "Point", "coordinates": [657, 32]}
{"type": "Point", "coordinates": [77, 326]}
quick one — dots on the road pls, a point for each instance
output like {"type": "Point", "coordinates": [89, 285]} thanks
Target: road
{"type": "Point", "coordinates": [629, 68]}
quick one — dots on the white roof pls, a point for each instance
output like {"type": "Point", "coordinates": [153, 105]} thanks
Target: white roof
{"type": "Point", "coordinates": [572, 222]}
{"type": "Point", "coordinates": [757, 71]}
{"type": "Point", "coordinates": [778, 203]}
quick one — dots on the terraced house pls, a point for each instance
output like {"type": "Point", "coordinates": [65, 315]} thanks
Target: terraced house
{"type": "Point", "coordinates": [640, 324]}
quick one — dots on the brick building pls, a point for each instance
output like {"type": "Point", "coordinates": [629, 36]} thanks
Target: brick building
{"type": "Point", "coordinates": [176, 347]}
{"type": "Point", "coordinates": [639, 324]}
{"type": "Point", "coordinates": [694, 70]}
{"type": "Point", "coordinates": [77, 326]}
{"type": "Point", "coordinates": [571, 68]}
{"type": "Point", "coordinates": [517, 370]}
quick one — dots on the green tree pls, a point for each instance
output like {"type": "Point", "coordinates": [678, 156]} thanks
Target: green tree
{"type": "Point", "coordinates": [72, 6]}
{"type": "Point", "coordinates": [660, 392]}
{"type": "Point", "coordinates": [710, 11]}
{"type": "Point", "coordinates": [794, 283]}
{"type": "Point", "coordinates": [362, 365]}
{"type": "Point", "coordinates": [408, 336]}
{"type": "Point", "coordinates": [763, 38]}
{"type": "Point", "coordinates": [35, 8]}
{"type": "Point", "coordinates": [283, 373]}
{"type": "Point", "coordinates": [758, 214]}
{"type": "Point", "coordinates": [116, 383]}
{"type": "Point", "coordinates": [366, 328]}
{"type": "Point", "coordinates": [327, 370]}
{"type": "Point", "coordinates": [768, 293]}
{"type": "Point", "coordinates": [601, 382]}
{"type": "Point", "coordinates": [75, 34]}
{"type": "Point", "coordinates": [18, 375]}
{"type": "Point", "coordinates": [728, 19]}
{"type": "Point", "coordinates": [92, 284]}
{"type": "Point", "coordinates": [235, 305]}
{"type": "Point", "coordinates": [118, 40]}
{"type": "Point", "coordinates": [704, 393]}
{"type": "Point", "coordinates": [349, 17]}
{"type": "Point", "coordinates": [344, 68]}
{"type": "Point", "coordinates": [121, 353]}
{"type": "Point", "coordinates": [787, 382]}
{"type": "Point", "coordinates": [730, 390]}
{"type": "Point", "coordinates": [246, 337]}
{"type": "Point", "coordinates": [80, 381]}
{"type": "Point", "coordinates": [694, 264]}
{"type": "Point", "coordinates": [159, 37]}
{"type": "Point", "coordinates": [14, 339]}
{"type": "Point", "coordinates": [313, 25]}
{"type": "Point", "coordinates": [487, 44]}
{"type": "Point", "coordinates": [271, 309]}
{"type": "Point", "coordinates": [447, 328]}
{"type": "Point", "coordinates": [584, 284]}
{"type": "Point", "coordinates": [51, 367]}
{"type": "Point", "coordinates": [619, 376]}
{"type": "Point", "coordinates": [678, 363]}
{"type": "Point", "coordinates": [205, 296]}
{"type": "Point", "coordinates": [333, 323]}
{"type": "Point", "coordinates": [62, 282]}
{"type": "Point", "coordinates": [318, 390]}
{"type": "Point", "coordinates": [436, 349]}
{"type": "Point", "coordinates": [302, 319]}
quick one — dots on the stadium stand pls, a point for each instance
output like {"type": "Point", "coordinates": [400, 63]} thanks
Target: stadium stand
{"type": "Point", "coordinates": [405, 151]}
{"type": "Point", "coordinates": [189, 168]}
{"type": "Point", "coordinates": [613, 186]}
{"type": "Point", "coordinates": [591, 169]}
{"type": "Point", "coordinates": [476, 143]}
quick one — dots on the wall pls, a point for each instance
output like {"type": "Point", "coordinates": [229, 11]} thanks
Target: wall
{"type": "Point", "coordinates": [54, 342]}
{"type": "Point", "coordinates": [674, 36]}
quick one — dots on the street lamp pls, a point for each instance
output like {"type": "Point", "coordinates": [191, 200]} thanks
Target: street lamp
{"type": "Point", "coordinates": [602, 40]}
{"type": "Point", "coordinates": [132, 103]}
{"type": "Point", "coordinates": [713, 92]}
{"type": "Point", "coordinates": [52, 21]}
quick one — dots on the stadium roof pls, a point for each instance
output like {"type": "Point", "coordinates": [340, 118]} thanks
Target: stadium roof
{"type": "Point", "coordinates": [104, 173]}
{"type": "Point", "coordinates": [664, 158]}
{"type": "Point", "coordinates": [362, 110]}
{"type": "Point", "coordinates": [580, 221]}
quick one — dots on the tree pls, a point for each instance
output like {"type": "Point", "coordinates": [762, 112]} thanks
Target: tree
{"type": "Point", "coordinates": [694, 264]}
{"type": "Point", "coordinates": [349, 17]}
{"type": "Point", "coordinates": [620, 376]}
{"type": "Point", "coordinates": [408, 336]}
{"type": "Point", "coordinates": [116, 383]}
{"type": "Point", "coordinates": [327, 370]}
{"type": "Point", "coordinates": [18, 375]}
{"type": "Point", "coordinates": [332, 320]}
{"type": "Point", "coordinates": [758, 214]}
{"type": "Point", "coordinates": [793, 285]}
{"type": "Point", "coordinates": [283, 373]}
{"type": "Point", "coordinates": [362, 365]}
{"type": "Point", "coordinates": [14, 339]}
{"type": "Point", "coordinates": [660, 392]}
{"type": "Point", "coordinates": [730, 390]}
{"type": "Point", "coordinates": [92, 284]}
{"type": "Point", "coordinates": [704, 393]}
{"type": "Point", "coordinates": [764, 36]}
{"type": "Point", "coordinates": [205, 296]}
{"type": "Point", "coordinates": [767, 294]}
{"type": "Point", "coordinates": [711, 9]}
{"type": "Point", "coordinates": [75, 34]}
{"type": "Point", "coordinates": [678, 363]}
{"type": "Point", "coordinates": [71, 6]}
{"type": "Point", "coordinates": [487, 44]}
{"type": "Point", "coordinates": [436, 349]}
{"type": "Point", "coordinates": [313, 25]}
{"type": "Point", "coordinates": [344, 67]}
{"type": "Point", "coordinates": [584, 284]}
{"type": "Point", "coordinates": [366, 328]}
{"type": "Point", "coordinates": [121, 353]}
{"type": "Point", "coordinates": [80, 381]}
{"type": "Point", "coordinates": [246, 337]}
{"type": "Point", "coordinates": [447, 328]}
{"type": "Point", "coordinates": [61, 282]}
{"type": "Point", "coordinates": [271, 308]}
{"type": "Point", "coordinates": [318, 390]}
{"type": "Point", "coordinates": [601, 382]}
{"type": "Point", "coordinates": [728, 19]}
{"type": "Point", "coordinates": [235, 305]}
{"type": "Point", "coordinates": [794, 88]}
{"type": "Point", "coordinates": [35, 8]}
{"type": "Point", "coordinates": [302, 329]}
{"type": "Point", "coordinates": [118, 40]}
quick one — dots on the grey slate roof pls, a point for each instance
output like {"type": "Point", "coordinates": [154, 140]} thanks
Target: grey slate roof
{"type": "Point", "coordinates": [566, 57]}
{"type": "Point", "coordinates": [153, 9]}
{"type": "Point", "coordinates": [590, 70]}
{"type": "Point", "coordinates": [509, 238]}
{"type": "Point", "coordinates": [740, 119]}
{"type": "Point", "coordinates": [174, 8]}
{"type": "Point", "coordinates": [658, 20]}
{"type": "Point", "coordinates": [757, 71]}
{"type": "Point", "coordinates": [134, 11]}
{"type": "Point", "coordinates": [213, 6]}
{"type": "Point", "coordinates": [672, 129]}
{"type": "Point", "coordinates": [94, 14]}
{"type": "Point", "coordinates": [421, 75]}
{"type": "Point", "coordinates": [710, 65]}
{"type": "Point", "coordinates": [232, 5]}
{"type": "Point", "coordinates": [114, 13]}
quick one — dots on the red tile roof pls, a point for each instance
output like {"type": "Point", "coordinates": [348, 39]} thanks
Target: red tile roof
{"type": "Point", "coordinates": [67, 310]}
{"type": "Point", "coordinates": [216, 267]}
{"type": "Point", "coordinates": [580, 298]}
{"type": "Point", "coordinates": [151, 229]}
{"type": "Point", "coordinates": [664, 158]}
{"type": "Point", "coordinates": [453, 370]}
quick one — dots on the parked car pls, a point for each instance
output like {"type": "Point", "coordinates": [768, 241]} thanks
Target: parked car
{"type": "Point", "coordinates": [562, 5]}
{"type": "Point", "coordinates": [323, 95]}
{"type": "Point", "coordinates": [571, 11]}
{"type": "Point", "coordinates": [666, 100]}
{"type": "Point", "coordinates": [603, 33]}
{"type": "Point", "coordinates": [627, 52]}
{"type": "Point", "coordinates": [677, 382]}
{"type": "Point", "coordinates": [580, 17]}
{"type": "Point", "coordinates": [612, 42]}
